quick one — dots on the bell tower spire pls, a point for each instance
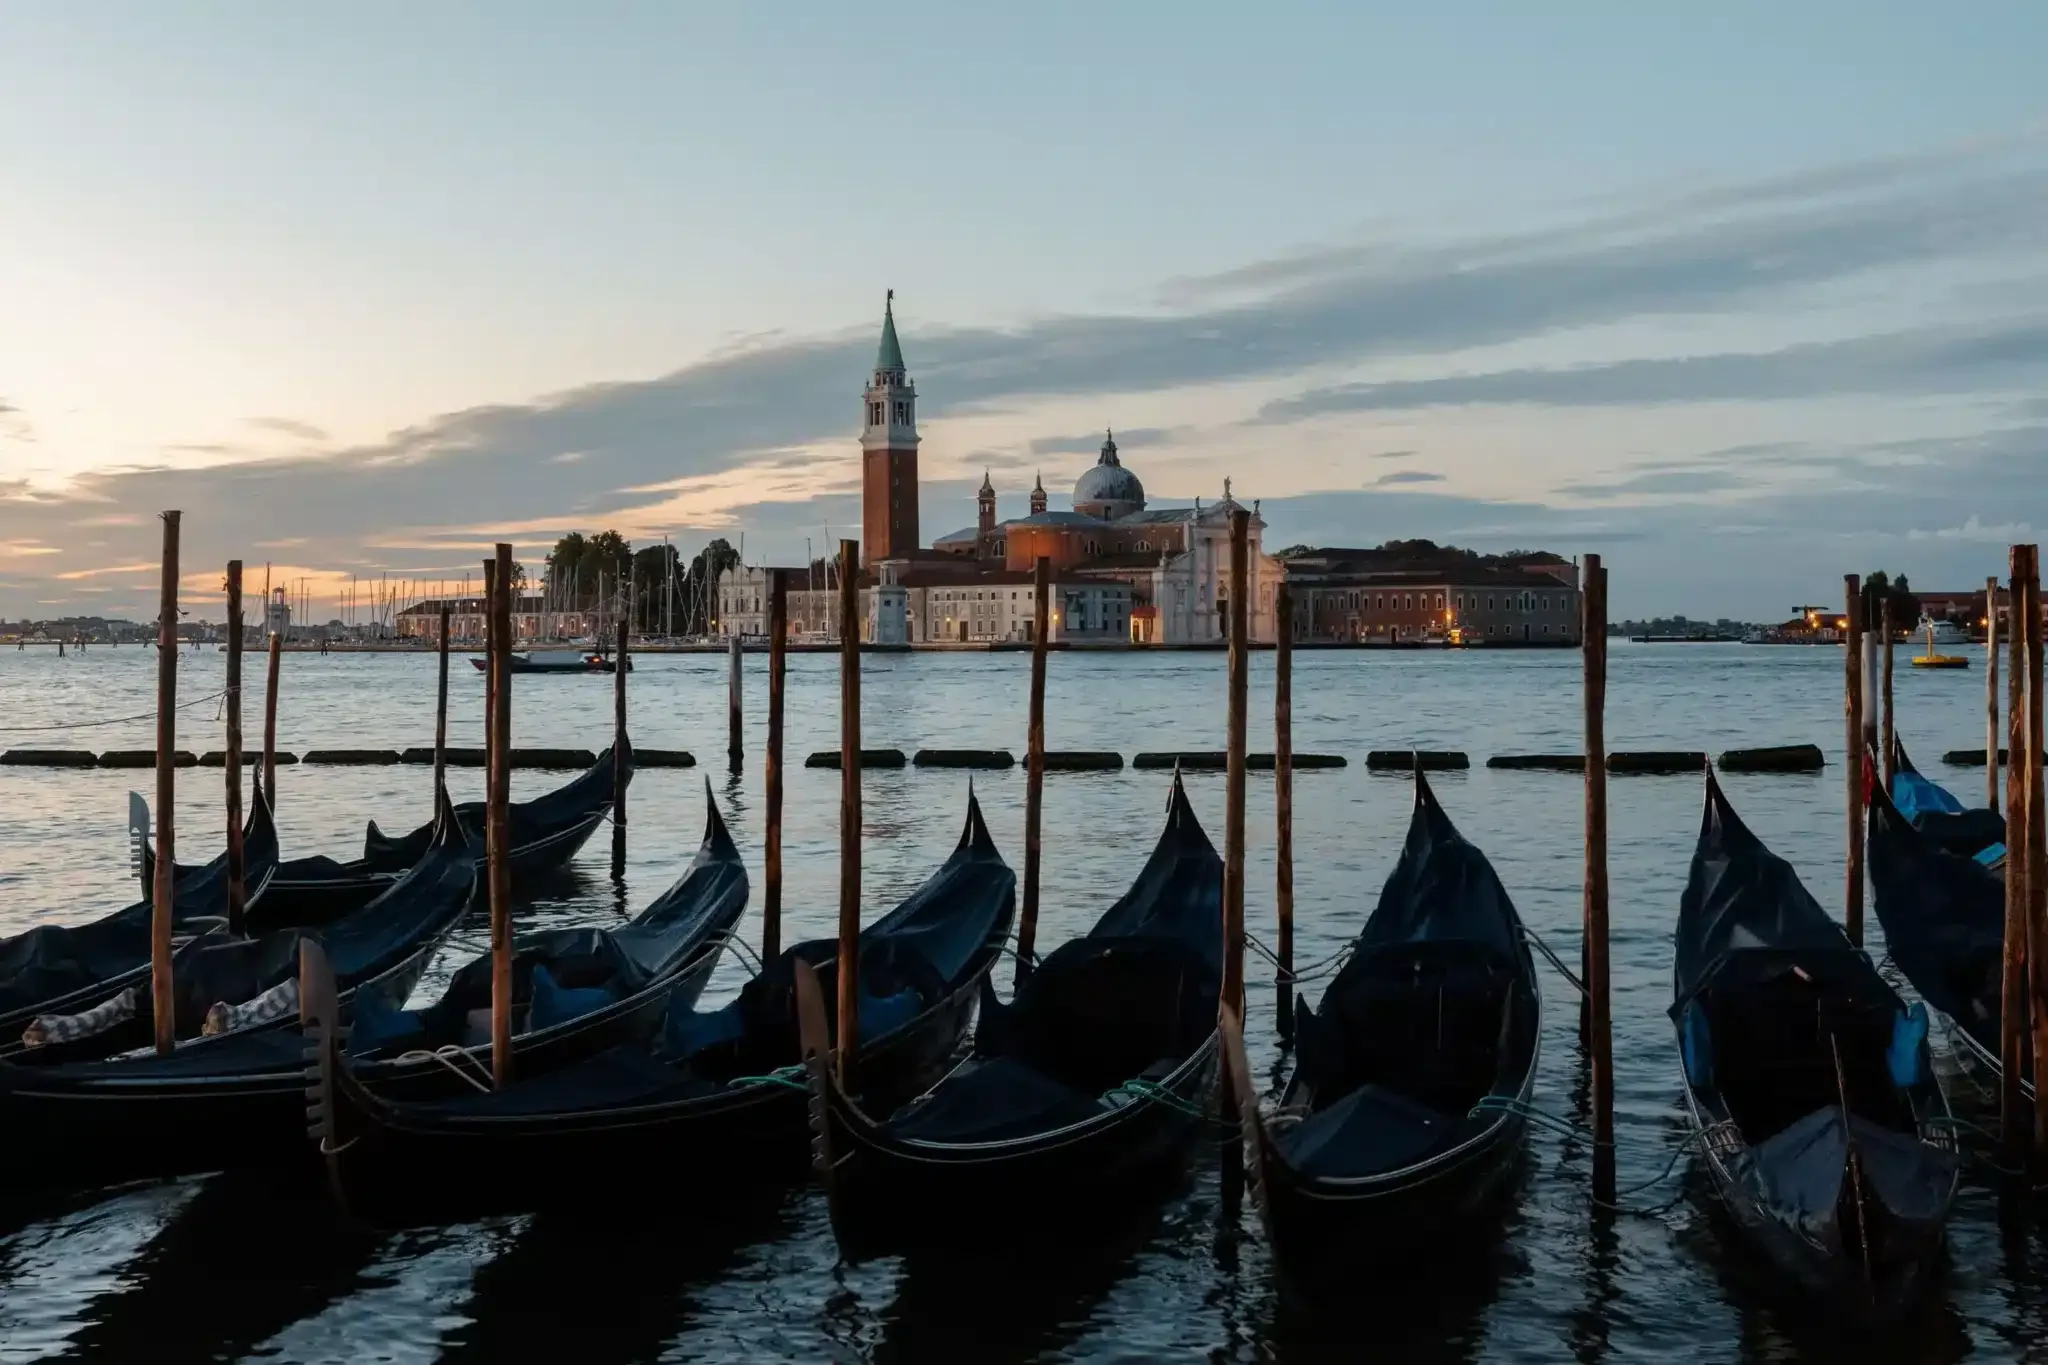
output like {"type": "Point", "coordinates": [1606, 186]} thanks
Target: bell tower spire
{"type": "Point", "coordinates": [888, 443]}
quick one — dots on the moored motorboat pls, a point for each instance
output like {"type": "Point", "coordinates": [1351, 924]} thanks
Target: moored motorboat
{"type": "Point", "coordinates": [1821, 1123]}
{"type": "Point", "coordinates": [713, 1091]}
{"type": "Point", "coordinates": [1404, 1116]}
{"type": "Point", "coordinates": [1081, 1094]}
{"type": "Point", "coordinates": [238, 1100]}
{"type": "Point", "coordinates": [559, 661]}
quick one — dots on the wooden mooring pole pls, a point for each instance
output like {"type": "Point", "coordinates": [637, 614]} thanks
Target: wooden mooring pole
{"type": "Point", "coordinates": [1283, 808]}
{"type": "Point", "coordinates": [160, 997]}
{"type": "Point", "coordinates": [497, 817]}
{"type": "Point", "coordinates": [238, 879]}
{"type": "Point", "coordinates": [1599, 990]}
{"type": "Point", "coordinates": [2014, 1123]}
{"type": "Point", "coordinates": [441, 712]}
{"type": "Point", "coordinates": [275, 660]}
{"type": "Point", "coordinates": [621, 665]}
{"type": "Point", "coordinates": [778, 645]}
{"type": "Point", "coordinates": [1034, 766]}
{"type": "Point", "coordinates": [1991, 735]}
{"type": "Point", "coordinates": [2037, 861]}
{"type": "Point", "coordinates": [1889, 737]}
{"type": "Point", "coordinates": [734, 747]}
{"type": "Point", "coordinates": [1852, 890]}
{"type": "Point", "coordinates": [1233, 832]}
{"type": "Point", "coordinates": [849, 805]}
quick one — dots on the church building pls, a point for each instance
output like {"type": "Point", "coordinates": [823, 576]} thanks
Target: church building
{"type": "Point", "coordinates": [1123, 572]}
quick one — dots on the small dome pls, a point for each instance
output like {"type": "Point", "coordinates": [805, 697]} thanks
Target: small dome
{"type": "Point", "coordinates": [1109, 489]}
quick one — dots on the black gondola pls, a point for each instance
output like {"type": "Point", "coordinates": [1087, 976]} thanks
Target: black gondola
{"type": "Point", "coordinates": [1404, 1116]}
{"type": "Point", "coordinates": [546, 833]}
{"type": "Point", "coordinates": [1937, 814]}
{"type": "Point", "coordinates": [1082, 1092]}
{"type": "Point", "coordinates": [1943, 915]}
{"type": "Point", "coordinates": [714, 1092]}
{"type": "Point", "coordinates": [66, 969]}
{"type": "Point", "coordinates": [1809, 1082]}
{"type": "Point", "coordinates": [238, 1099]}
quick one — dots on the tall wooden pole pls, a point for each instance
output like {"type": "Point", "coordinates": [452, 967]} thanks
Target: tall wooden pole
{"type": "Point", "coordinates": [498, 822]}
{"type": "Point", "coordinates": [1599, 993]}
{"type": "Point", "coordinates": [238, 881]}
{"type": "Point", "coordinates": [621, 665]}
{"type": "Point", "coordinates": [778, 644]}
{"type": "Point", "coordinates": [2037, 860]}
{"type": "Point", "coordinates": [1992, 739]}
{"type": "Point", "coordinates": [1852, 891]}
{"type": "Point", "coordinates": [1233, 829]}
{"type": "Point", "coordinates": [1890, 735]}
{"type": "Point", "coordinates": [849, 808]}
{"type": "Point", "coordinates": [490, 615]}
{"type": "Point", "coordinates": [1283, 806]}
{"type": "Point", "coordinates": [1034, 766]}
{"type": "Point", "coordinates": [160, 997]}
{"type": "Point", "coordinates": [2014, 1121]}
{"type": "Point", "coordinates": [735, 748]}
{"type": "Point", "coordinates": [270, 719]}
{"type": "Point", "coordinates": [441, 713]}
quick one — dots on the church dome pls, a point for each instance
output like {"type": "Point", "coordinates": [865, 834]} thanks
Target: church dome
{"type": "Point", "coordinates": [1109, 490]}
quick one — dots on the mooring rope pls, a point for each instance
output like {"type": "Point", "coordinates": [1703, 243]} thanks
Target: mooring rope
{"type": "Point", "coordinates": [785, 1076]}
{"type": "Point", "coordinates": [1313, 972]}
{"type": "Point", "coordinates": [446, 1055]}
{"type": "Point", "coordinates": [740, 946]}
{"type": "Point", "coordinates": [1554, 960]}
{"type": "Point", "coordinates": [112, 720]}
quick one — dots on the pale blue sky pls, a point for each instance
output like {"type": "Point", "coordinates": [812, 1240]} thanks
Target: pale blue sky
{"type": "Point", "coordinates": [392, 259]}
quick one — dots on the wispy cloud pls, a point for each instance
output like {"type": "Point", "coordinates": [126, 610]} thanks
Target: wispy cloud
{"type": "Point", "coordinates": [1403, 476]}
{"type": "Point", "coordinates": [285, 426]}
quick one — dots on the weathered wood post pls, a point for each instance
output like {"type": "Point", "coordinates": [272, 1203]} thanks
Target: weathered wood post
{"type": "Point", "coordinates": [1034, 768]}
{"type": "Point", "coordinates": [849, 806]}
{"type": "Point", "coordinates": [1233, 830]}
{"type": "Point", "coordinates": [1890, 735]}
{"type": "Point", "coordinates": [2014, 1121]}
{"type": "Point", "coordinates": [497, 818]}
{"type": "Point", "coordinates": [734, 746]}
{"type": "Point", "coordinates": [2037, 861]}
{"type": "Point", "coordinates": [441, 712]}
{"type": "Point", "coordinates": [1283, 806]}
{"type": "Point", "coordinates": [270, 719]}
{"type": "Point", "coordinates": [778, 644]}
{"type": "Point", "coordinates": [238, 880]}
{"type": "Point", "coordinates": [1991, 735]}
{"type": "Point", "coordinates": [1852, 890]}
{"type": "Point", "coordinates": [161, 888]}
{"type": "Point", "coordinates": [490, 610]}
{"type": "Point", "coordinates": [1599, 991]}
{"type": "Point", "coordinates": [622, 664]}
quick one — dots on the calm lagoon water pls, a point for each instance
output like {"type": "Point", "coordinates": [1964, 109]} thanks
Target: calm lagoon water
{"type": "Point", "coordinates": [204, 1269]}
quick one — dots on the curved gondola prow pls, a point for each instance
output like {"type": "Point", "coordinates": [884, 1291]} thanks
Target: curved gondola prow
{"type": "Point", "coordinates": [320, 1018]}
{"type": "Point", "coordinates": [974, 835]}
{"type": "Point", "coordinates": [1237, 1068]}
{"type": "Point", "coordinates": [717, 844]}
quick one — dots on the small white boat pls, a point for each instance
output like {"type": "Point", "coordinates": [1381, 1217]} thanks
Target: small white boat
{"type": "Point", "coordinates": [1942, 631]}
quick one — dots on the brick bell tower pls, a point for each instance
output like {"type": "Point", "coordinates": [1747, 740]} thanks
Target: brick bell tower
{"type": "Point", "coordinates": [888, 452]}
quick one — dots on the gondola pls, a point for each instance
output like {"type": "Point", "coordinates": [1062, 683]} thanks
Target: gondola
{"type": "Point", "coordinates": [1083, 1092]}
{"type": "Point", "coordinates": [66, 969]}
{"type": "Point", "coordinates": [707, 1097]}
{"type": "Point", "coordinates": [1936, 813]}
{"type": "Point", "coordinates": [546, 831]}
{"type": "Point", "coordinates": [1809, 1082]}
{"type": "Point", "coordinates": [1403, 1119]}
{"type": "Point", "coordinates": [1943, 915]}
{"type": "Point", "coordinates": [558, 661]}
{"type": "Point", "coordinates": [223, 984]}
{"type": "Point", "coordinates": [238, 1100]}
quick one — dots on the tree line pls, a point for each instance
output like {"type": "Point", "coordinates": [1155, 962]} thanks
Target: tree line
{"type": "Point", "coordinates": [584, 572]}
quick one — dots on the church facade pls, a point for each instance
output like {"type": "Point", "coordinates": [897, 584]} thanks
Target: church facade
{"type": "Point", "coordinates": [1124, 572]}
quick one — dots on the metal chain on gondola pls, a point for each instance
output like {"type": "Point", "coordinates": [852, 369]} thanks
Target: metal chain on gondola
{"type": "Point", "coordinates": [110, 720]}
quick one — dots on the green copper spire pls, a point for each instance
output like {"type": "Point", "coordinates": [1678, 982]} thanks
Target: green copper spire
{"type": "Point", "coordinates": [890, 356]}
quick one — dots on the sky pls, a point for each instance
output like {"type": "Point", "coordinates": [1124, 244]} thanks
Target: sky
{"type": "Point", "coordinates": [1741, 297]}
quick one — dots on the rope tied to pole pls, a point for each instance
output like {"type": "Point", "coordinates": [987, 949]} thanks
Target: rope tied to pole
{"type": "Point", "coordinates": [789, 1077]}
{"type": "Point", "coordinates": [448, 1055]}
{"type": "Point", "coordinates": [1536, 940]}
{"type": "Point", "coordinates": [111, 720]}
{"type": "Point", "coordinates": [1314, 972]}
